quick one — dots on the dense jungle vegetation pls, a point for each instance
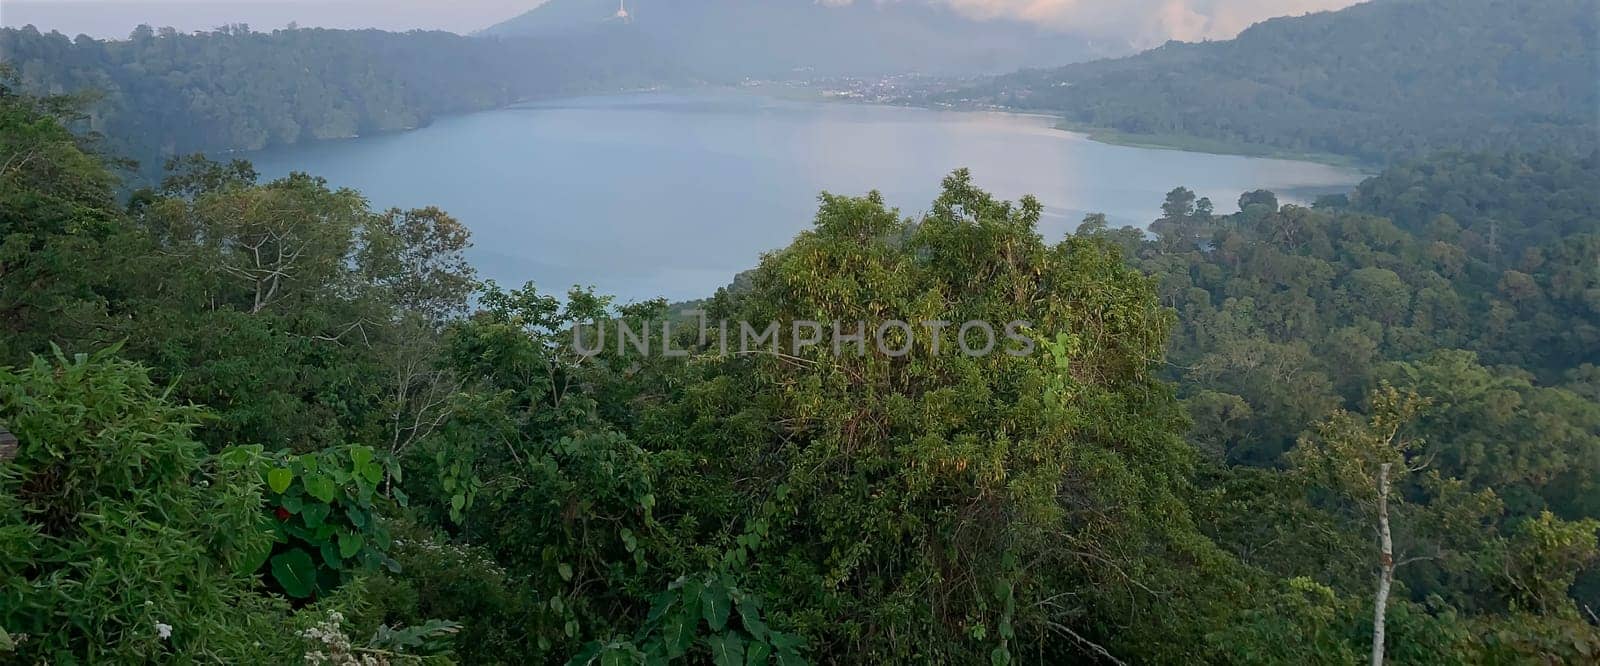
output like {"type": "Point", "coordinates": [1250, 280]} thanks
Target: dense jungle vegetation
{"type": "Point", "coordinates": [263, 422]}
{"type": "Point", "coordinates": [162, 93]}
{"type": "Point", "coordinates": [1377, 82]}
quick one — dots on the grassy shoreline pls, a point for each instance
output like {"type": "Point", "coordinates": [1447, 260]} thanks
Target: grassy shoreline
{"type": "Point", "coordinates": [1182, 142]}
{"type": "Point", "coordinates": [1195, 144]}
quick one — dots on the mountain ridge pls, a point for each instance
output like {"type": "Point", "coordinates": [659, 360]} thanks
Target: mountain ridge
{"type": "Point", "coordinates": [733, 39]}
{"type": "Point", "coordinates": [1375, 81]}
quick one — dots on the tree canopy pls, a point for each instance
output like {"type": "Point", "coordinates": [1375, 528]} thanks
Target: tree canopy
{"type": "Point", "coordinates": [1378, 82]}
{"type": "Point", "coordinates": [264, 422]}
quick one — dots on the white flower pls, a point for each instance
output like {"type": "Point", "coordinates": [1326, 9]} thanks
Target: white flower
{"type": "Point", "coordinates": [163, 630]}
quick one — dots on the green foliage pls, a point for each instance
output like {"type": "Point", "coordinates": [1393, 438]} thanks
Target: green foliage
{"type": "Point", "coordinates": [934, 506]}
{"type": "Point", "coordinates": [163, 93]}
{"type": "Point", "coordinates": [1289, 315]}
{"type": "Point", "coordinates": [704, 618]}
{"type": "Point", "coordinates": [299, 296]}
{"type": "Point", "coordinates": [121, 540]}
{"type": "Point", "coordinates": [1321, 298]}
{"type": "Point", "coordinates": [528, 469]}
{"type": "Point", "coordinates": [442, 579]}
{"type": "Point", "coordinates": [1541, 560]}
{"type": "Point", "coordinates": [58, 217]}
{"type": "Point", "coordinates": [1303, 622]}
{"type": "Point", "coordinates": [752, 508]}
{"type": "Point", "coordinates": [1537, 446]}
{"type": "Point", "coordinates": [1377, 81]}
{"type": "Point", "coordinates": [325, 519]}
{"type": "Point", "coordinates": [432, 636]}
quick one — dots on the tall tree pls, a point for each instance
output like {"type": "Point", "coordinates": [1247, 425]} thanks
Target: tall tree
{"type": "Point", "coordinates": [1366, 460]}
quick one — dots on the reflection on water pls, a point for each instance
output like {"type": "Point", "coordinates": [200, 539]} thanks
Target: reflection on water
{"type": "Point", "coordinates": [671, 194]}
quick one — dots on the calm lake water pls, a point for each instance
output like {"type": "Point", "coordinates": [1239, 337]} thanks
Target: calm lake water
{"type": "Point", "coordinates": [671, 194]}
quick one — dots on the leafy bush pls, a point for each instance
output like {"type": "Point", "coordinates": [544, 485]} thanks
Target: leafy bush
{"type": "Point", "coordinates": [120, 539]}
{"type": "Point", "coordinates": [443, 579]}
{"type": "Point", "coordinates": [324, 518]}
{"type": "Point", "coordinates": [706, 614]}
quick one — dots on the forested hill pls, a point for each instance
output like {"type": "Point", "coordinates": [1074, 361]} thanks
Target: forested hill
{"type": "Point", "coordinates": [1375, 81]}
{"type": "Point", "coordinates": [1459, 260]}
{"type": "Point", "coordinates": [305, 429]}
{"type": "Point", "coordinates": [732, 39]}
{"type": "Point", "coordinates": [162, 92]}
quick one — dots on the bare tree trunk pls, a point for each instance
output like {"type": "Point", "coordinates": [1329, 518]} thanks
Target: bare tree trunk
{"type": "Point", "coordinates": [1386, 566]}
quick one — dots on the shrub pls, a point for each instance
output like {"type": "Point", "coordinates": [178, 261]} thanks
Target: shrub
{"type": "Point", "coordinates": [121, 541]}
{"type": "Point", "coordinates": [323, 515]}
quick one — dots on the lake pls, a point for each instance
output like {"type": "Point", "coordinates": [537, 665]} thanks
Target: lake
{"type": "Point", "coordinates": [672, 194]}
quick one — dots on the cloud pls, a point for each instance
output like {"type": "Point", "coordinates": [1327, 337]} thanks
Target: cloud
{"type": "Point", "coordinates": [1137, 22]}
{"type": "Point", "coordinates": [1142, 22]}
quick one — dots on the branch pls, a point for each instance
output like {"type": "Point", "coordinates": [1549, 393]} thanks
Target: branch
{"type": "Point", "coordinates": [1086, 643]}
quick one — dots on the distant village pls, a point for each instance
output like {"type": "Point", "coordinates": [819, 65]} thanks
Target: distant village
{"type": "Point", "coordinates": [895, 89]}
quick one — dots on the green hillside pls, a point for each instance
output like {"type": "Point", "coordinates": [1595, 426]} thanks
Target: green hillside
{"type": "Point", "coordinates": [1384, 79]}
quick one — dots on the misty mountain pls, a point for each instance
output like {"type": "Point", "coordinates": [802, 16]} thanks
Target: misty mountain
{"type": "Point", "coordinates": [1379, 80]}
{"type": "Point", "coordinates": [732, 39]}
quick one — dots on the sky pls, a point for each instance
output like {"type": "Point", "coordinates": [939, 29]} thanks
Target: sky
{"type": "Point", "coordinates": [1140, 22]}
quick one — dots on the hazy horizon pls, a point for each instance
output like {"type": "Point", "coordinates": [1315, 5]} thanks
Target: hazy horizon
{"type": "Point", "coordinates": [1138, 22]}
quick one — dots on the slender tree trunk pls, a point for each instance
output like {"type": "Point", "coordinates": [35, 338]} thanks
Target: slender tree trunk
{"type": "Point", "coordinates": [1386, 566]}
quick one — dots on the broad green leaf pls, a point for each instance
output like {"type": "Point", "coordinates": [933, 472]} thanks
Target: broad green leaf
{"type": "Point", "coordinates": [727, 649]}
{"type": "Point", "coordinates": [295, 573]}
{"type": "Point", "coordinates": [788, 648]}
{"type": "Point", "coordinates": [279, 479]}
{"type": "Point", "coordinates": [678, 632]}
{"type": "Point", "coordinates": [330, 554]}
{"type": "Point", "coordinates": [715, 603]}
{"type": "Point", "coordinates": [692, 589]}
{"type": "Point", "coordinates": [757, 654]}
{"type": "Point", "coordinates": [750, 615]}
{"type": "Point", "coordinates": [357, 516]}
{"type": "Point", "coordinates": [615, 658]}
{"type": "Point", "coordinates": [350, 543]}
{"type": "Point", "coordinates": [361, 456]}
{"type": "Point", "coordinates": [586, 655]}
{"type": "Point", "coordinates": [314, 514]}
{"type": "Point", "coordinates": [565, 570]}
{"type": "Point", "coordinates": [784, 641]}
{"type": "Point", "coordinates": [662, 603]}
{"type": "Point", "coordinates": [319, 486]}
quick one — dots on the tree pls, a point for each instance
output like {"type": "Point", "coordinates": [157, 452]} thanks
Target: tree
{"type": "Point", "coordinates": [1365, 461]}
{"type": "Point", "coordinates": [164, 93]}
{"type": "Point", "coordinates": [935, 505]}
{"type": "Point", "coordinates": [58, 222]}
